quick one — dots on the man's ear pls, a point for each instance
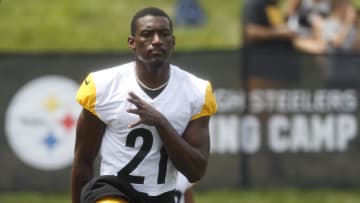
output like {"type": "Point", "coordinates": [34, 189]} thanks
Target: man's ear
{"type": "Point", "coordinates": [131, 42]}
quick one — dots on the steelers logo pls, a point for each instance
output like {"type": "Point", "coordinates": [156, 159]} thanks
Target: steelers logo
{"type": "Point", "coordinates": [40, 122]}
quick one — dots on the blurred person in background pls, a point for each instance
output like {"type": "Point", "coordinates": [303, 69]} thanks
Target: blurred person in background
{"type": "Point", "coordinates": [334, 45]}
{"type": "Point", "coordinates": [148, 119]}
{"type": "Point", "coordinates": [306, 17]}
{"type": "Point", "coordinates": [340, 28]}
{"type": "Point", "coordinates": [340, 41]}
{"type": "Point", "coordinates": [338, 32]}
{"type": "Point", "coordinates": [270, 58]}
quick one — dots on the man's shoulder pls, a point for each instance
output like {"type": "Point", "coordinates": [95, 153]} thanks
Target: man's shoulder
{"type": "Point", "coordinates": [113, 74]}
{"type": "Point", "coordinates": [198, 91]}
{"type": "Point", "coordinates": [190, 83]}
{"type": "Point", "coordinates": [114, 70]}
{"type": "Point", "coordinates": [105, 78]}
{"type": "Point", "coordinates": [186, 76]}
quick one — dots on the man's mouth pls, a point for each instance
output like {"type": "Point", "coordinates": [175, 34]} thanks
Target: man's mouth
{"type": "Point", "coordinates": [157, 52]}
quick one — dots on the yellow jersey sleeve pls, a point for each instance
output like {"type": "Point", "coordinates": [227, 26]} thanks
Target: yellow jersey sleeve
{"type": "Point", "coordinates": [210, 106]}
{"type": "Point", "coordinates": [86, 95]}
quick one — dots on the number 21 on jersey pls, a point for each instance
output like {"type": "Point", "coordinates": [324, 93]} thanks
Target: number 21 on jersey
{"type": "Point", "coordinates": [147, 138]}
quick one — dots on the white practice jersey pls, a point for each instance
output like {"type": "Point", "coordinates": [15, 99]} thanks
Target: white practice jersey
{"type": "Point", "coordinates": [182, 184]}
{"type": "Point", "coordinates": [137, 153]}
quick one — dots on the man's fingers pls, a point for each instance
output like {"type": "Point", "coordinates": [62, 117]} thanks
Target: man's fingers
{"type": "Point", "coordinates": [134, 99]}
{"type": "Point", "coordinates": [133, 95]}
{"type": "Point", "coordinates": [134, 111]}
{"type": "Point", "coordinates": [137, 103]}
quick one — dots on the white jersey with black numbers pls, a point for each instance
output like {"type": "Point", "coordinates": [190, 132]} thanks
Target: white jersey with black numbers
{"type": "Point", "coordinates": [137, 154]}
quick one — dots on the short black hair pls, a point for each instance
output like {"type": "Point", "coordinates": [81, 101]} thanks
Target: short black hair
{"type": "Point", "coordinates": [152, 11]}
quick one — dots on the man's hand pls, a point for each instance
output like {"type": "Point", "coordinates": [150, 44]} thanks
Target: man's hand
{"type": "Point", "coordinates": [190, 152]}
{"type": "Point", "coordinates": [148, 114]}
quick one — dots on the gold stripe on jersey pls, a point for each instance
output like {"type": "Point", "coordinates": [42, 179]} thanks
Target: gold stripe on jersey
{"type": "Point", "coordinates": [274, 15]}
{"type": "Point", "coordinates": [112, 200]}
{"type": "Point", "coordinates": [209, 106]}
{"type": "Point", "coordinates": [86, 95]}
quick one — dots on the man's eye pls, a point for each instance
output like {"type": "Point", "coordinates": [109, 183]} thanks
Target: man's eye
{"type": "Point", "coordinates": [165, 33]}
{"type": "Point", "coordinates": [146, 34]}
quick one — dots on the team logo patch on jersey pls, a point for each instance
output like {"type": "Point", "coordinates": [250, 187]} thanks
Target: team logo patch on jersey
{"type": "Point", "coordinates": [40, 122]}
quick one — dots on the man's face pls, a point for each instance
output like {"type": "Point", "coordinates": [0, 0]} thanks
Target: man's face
{"type": "Point", "coordinates": [153, 41]}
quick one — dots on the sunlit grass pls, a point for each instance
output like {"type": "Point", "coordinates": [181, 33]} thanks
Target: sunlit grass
{"type": "Point", "coordinates": [93, 25]}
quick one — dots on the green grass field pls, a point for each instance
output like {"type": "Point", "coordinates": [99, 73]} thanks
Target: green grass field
{"type": "Point", "coordinates": [93, 25]}
{"type": "Point", "coordinates": [224, 196]}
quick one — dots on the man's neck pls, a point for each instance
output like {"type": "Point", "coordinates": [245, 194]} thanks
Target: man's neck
{"type": "Point", "coordinates": [152, 77]}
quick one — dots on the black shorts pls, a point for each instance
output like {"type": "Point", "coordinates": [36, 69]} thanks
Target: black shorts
{"type": "Point", "coordinates": [113, 186]}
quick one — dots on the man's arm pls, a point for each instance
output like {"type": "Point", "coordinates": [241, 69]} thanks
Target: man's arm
{"type": "Point", "coordinates": [188, 195]}
{"type": "Point", "coordinates": [89, 133]}
{"type": "Point", "coordinates": [189, 153]}
{"type": "Point", "coordinates": [254, 32]}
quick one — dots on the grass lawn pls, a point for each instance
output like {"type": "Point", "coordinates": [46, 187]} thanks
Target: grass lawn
{"type": "Point", "coordinates": [93, 25]}
{"type": "Point", "coordinates": [223, 196]}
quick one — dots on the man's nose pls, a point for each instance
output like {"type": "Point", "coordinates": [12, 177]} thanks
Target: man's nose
{"type": "Point", "coordinates": [156, 39]}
